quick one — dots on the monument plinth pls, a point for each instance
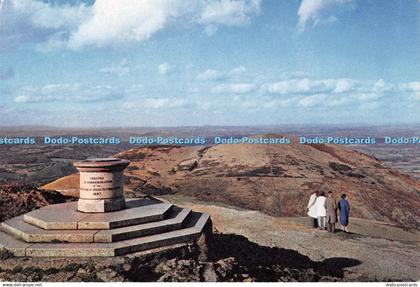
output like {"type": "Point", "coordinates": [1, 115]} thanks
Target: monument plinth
{"type": "Point", "coordinates": [102, 222]}
{"type": "Point", "coordinates": [101, 184]}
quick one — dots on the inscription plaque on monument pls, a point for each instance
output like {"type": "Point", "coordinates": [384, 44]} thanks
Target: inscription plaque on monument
{"type": "Point", "coordinates": [101, 184]}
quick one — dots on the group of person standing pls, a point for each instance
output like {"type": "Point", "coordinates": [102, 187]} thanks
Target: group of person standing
{"type": "Point", "coordinates": [322, 211]}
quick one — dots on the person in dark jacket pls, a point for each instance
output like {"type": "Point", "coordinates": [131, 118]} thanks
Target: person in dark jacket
{"type": "Point", "coordinates": [344, 207]}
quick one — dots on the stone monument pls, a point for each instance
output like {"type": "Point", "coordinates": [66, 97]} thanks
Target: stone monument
{"type": "Point", "coordinates": [102, 222]}
{"type": "Point", "coordinates": [101, 184]}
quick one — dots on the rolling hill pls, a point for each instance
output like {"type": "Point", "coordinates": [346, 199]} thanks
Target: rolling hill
{"type": "Point", "coordinates": [274, 179]}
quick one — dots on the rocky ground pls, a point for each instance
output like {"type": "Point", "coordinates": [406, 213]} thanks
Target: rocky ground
{"type": "Point", "coordinates": [246, 246]}
{"type": "Point", "coordinates": [226, 257]}
{"type": "Point", "coordinates": [383, 251]}
{"type": "Point", "coordinates": [16, 199]}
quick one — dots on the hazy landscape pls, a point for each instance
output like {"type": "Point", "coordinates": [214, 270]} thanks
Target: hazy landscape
{"type": "Point", "coordinates": [256, 195]}
{"type": "Point", "coordinates": [41, 163]}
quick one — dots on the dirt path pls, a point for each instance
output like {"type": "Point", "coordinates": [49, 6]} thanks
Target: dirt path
{"type": "Point", "coordinates": [386, 251]}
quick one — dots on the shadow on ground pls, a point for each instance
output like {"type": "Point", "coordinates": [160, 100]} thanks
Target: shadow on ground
{"type": "Point", "coordinates": [263, 262]}
{"type": "Point", "coordinates": [230, 257]}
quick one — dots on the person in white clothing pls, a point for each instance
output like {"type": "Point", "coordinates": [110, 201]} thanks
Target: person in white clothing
{"type": "Point", "coordinates": [321, 211]}
{"type": "Point", "coordinates": [312, 210]}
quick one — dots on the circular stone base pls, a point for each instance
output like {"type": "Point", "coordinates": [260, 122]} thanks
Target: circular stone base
{"type": "Point", "coordinates": [101, 205]}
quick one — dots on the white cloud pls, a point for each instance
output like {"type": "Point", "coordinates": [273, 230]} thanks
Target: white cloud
{"type": "Point", "coordinates": [319, 11]}
{"type": "Point", "coordinates": [156, 103]}
{"type": "Point", "coordinates": [235, 88]}
{"type": "Point", "coordinates": [66, 93]}
{"type": "Point", "coordinates": [165, 68]}
{"type": "Point", "coordinates": [37, 21]}
{"type": "Point", "coordinates": [125, 21]}
{"type": "Point", "coordinates": [311, 101]}
{"type": "Point", "coordinates": [310, 86]}
{"type": "Point", "coordinates": [344, 85]}
{"type": "Point", "coordinates": [365, 96]}
{"type": "Point", "coordinates": [381, 86]}
{"type": "Point", "coordinates": [305, 85]}
{"type": "Point", "coordinates": [113, 23]}
{"type": "Point", "coordinates": [214, 75]}
{"type": "Point", "coordinates": [230, 13]}
{"type": "Point", "coordinates": [348, 99]}
{"type": "Point", "coordinates": [55, 16]}
{"type": "Point", "coordinates": [238, 71]}
{"type": "Point", "coordinates": [209, 75]}
{"type": "Point", "coordinates": [411, 86]}
{"type": "Point", "coordinates": [122, 69]}
{"type": "Point", "coordinates": [308, 93]}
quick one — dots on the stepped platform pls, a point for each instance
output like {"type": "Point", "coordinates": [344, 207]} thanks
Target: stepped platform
{"type": "Point", "coordinates": [60, 230]}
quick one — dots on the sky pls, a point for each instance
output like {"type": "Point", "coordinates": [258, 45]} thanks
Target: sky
{"type": "Point", "coordinates": [209, 62]}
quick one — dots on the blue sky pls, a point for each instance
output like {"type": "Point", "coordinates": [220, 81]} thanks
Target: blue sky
{"type": "Point", "coordinates": [209, 62]}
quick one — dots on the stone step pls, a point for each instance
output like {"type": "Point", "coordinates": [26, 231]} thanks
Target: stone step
{"type": "Point", "coordinates": [66, 217]}
{"type": "Point", "coordinates": [126, 217]}
{"type": "Point", "coordinates": [197, 224]}
{"type": "Point", "coordinates": [13, 244]}
{"type": "Point", "coordinates": [55, 216]}
{"type": "Point", "coordinates": [176, 221]}
{"type": "Point", "coordinates": [31, 233]}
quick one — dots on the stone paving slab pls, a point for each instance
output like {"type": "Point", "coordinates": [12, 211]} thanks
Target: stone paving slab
{"type": "Point", "coordinates": [137, 202]}
{"type": "Point", "coordinates": [56, 216]}
{"type": "Point", "coordinates": [14, 245]}
{"type": "Point", "coordinates": [65, 216]}
{"type": "Point", "coordinates": [159, 240]}
{"type": "Point", "coordinates": [201, 223]}
{"type": "Point", "coordinates": [73, 249]}
{"type": "Point", "coordinates": [124, 233]}
{"type": "Point", "coordinates": [126, 217]}
{"type": "Point", "coordinates": [112, 249]}
{"type": "Point", "coordinates": [31, 233]}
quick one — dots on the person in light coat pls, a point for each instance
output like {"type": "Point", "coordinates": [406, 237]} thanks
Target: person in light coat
{"type": "Point", "coordinates": [321, 211]}
{"type": "Point", "coordinates": [312, 210]}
